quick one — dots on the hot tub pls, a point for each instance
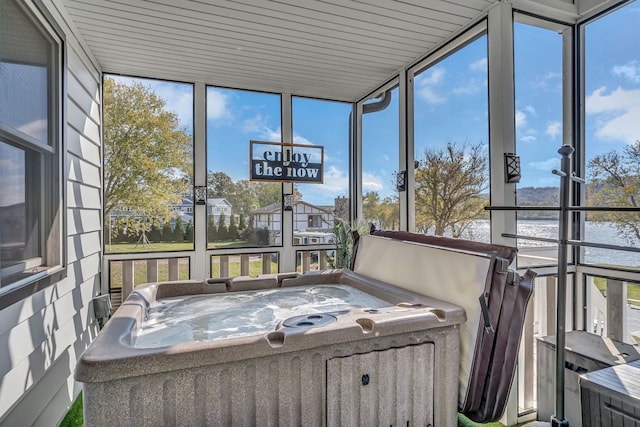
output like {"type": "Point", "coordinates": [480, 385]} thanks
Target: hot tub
{"type": "Point", "coordinates": [345, 350]}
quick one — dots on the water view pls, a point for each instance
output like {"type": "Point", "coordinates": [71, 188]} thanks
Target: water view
{"type": "Point", "coordinates": [595, 232]}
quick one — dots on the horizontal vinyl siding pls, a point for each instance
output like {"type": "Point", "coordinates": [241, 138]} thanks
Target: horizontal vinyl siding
{"type": "Point", "coordinates": [43, 336]}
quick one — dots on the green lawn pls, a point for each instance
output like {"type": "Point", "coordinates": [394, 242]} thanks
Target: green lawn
{"type": "Point", "coordinates": [633, 290]}
{"type": "Point", "coordinates": [127, 248]}
{"type": "Point", "coordinates": [74, 417]}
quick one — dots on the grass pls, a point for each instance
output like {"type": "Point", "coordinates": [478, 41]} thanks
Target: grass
{"type": "Point", "coordinates": [140, 271]}
{"type": "Point", "coordinates": [633, 290]}
{"type": "Point", "coordinates": [255, 267]}
{"type": "Point", "coordinates": [74, 417]}
{"type": "Point", "coordinates": [128, 248]}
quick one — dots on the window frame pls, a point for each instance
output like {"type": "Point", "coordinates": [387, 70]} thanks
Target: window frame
{"type": "Point", "coordinates": [50, 174]}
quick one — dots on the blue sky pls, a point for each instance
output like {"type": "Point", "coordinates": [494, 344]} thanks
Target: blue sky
{"type": "Point", "coordinates": [450, 105]}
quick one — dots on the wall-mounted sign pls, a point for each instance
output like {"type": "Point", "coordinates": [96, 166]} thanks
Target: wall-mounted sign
{"type": "Point", "coordinates": [272, 161]}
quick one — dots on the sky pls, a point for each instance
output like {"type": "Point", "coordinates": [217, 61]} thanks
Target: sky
{"type": "Point", "coordinates": [451, 105]}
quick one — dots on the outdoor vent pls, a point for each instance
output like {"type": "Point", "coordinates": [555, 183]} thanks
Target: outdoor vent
{"type": "Point", "coordinates": [102, 306]}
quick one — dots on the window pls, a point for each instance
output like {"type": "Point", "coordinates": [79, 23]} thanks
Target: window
{"type": "Point", "coordinates": [450, 129]}
{"type": "Point", "coordinates": [381, 160]}
{"type": "Point", "coordinates": [612, 137]}
{"type": "Point", "coordinates": [30, 151]}
{"type": "Point", "coordinates": [323, 123]}
{"type": "Point", "coordinates": [235, 117]}
{"type": "Point", "coordinates": [148, 165]}
{"type": "Point", "coordinates": [539, 134]}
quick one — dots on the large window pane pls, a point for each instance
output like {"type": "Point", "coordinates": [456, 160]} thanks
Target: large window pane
{"type": "Point", "coordinates": [240, 213]}
{"type": "Point", "coordinates": [380, 161]}
{"type": "Point", "coordinates": [317, 206]}
{"type": "Point", "coordinates": [451, 145]}
{"type": "Point", "coordinates": [538, 87]}
{"type": "Point", "coordinates": [30, 156]}
{"type": "Point", "coordinates": [148, 165]}
{"type": "Point", "coordinates": [25, 67]}
{"type": "Point", "coordinates": [612, 134]}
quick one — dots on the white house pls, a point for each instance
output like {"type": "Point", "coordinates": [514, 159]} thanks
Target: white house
{"type": "Point", "coordinates": [215, 207]}
{"type": "Point", "coordinates": [311, 224]}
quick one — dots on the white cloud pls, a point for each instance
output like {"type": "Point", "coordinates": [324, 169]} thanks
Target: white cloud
{"type": "Point", "coordinates": [531, 110]}
{"type": "Point", "coordinates": [550, 81]}
{"type": "Point", "coordinates": [471, 87]}
{"type": "Point", "coordinates": [428, 95]}
{"type": "Point", "coordinates": [434, 78]}
{"type": "Point", "coordinates": [521, 119]}
{"type": "Point", "coordinates": [335, 181]}
{"type": "Point", "coordinates": [479, 65]}
{"type": "Point", "coordinates": [371, 182]}
{"type": "Point", "coordinates": [299, 139]}
{"type": "Point", "coordinates": [179, 100]}
{"type": "Point", "coordinates": [554, 129]}
{"type": "Point", "coordinates": [426, 86]}
{"type": "Point", "coordinates": [617, 113]}
{"type": "Point", "coordinates": [630, 71]}
{"type": "Point", "coordinates": [528, 138]}
{"type": "Point", "coordinates": [217, 105]}
{"type": "Point", "coordinates": [546, 165]}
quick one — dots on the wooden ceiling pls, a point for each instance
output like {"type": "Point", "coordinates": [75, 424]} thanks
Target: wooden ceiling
{"type": "Point", "coordinates": [333, 49]}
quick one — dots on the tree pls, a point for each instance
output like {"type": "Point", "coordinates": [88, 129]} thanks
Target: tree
{"type": "Point", "coordinates": [147, 155]}
{"type": "Point", "coordinates": [223, 232]}
{"type": "Point", "coordinates": [385, 214]}
{"type": "Point", "coordinates": [155, 232]}
{"type": "Point", "coordinates": [178, 230]}
{"type": "Point", "coordinates": [615, 181]}
{"type": "Point", "coordinates": [167, 231]}
{"type": "Point", "coordinates": [188, 232]}
{"type": "Point", "coordinates": [242, 222]}
{"type": "Point", "coordinates": [449, 184]}
{"type": "Point", "coordinates": [212, 229]}
{"type": "Point", "coordinates": [232, 233]}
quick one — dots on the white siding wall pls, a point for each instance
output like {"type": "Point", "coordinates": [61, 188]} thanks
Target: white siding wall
{"type": "Point", "coordinates": [42, 337]}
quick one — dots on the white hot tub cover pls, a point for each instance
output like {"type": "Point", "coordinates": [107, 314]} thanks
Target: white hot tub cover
{"type": "Point", "coordinates": [475, 276]}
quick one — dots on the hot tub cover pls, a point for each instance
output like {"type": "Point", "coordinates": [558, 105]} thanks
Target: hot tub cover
{"type": "Point", "coordinates": [475, 276]}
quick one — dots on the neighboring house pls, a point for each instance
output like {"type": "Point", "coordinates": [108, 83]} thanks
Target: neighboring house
{"type": "Point", "coordinates": [311, 224]}
{"type": "Point", "coordinates": [215, 207]}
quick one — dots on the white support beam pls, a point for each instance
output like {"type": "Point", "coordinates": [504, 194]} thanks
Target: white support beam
{"type": "Point", "coordinates": [502, 118]}
{"type": "Point", "coordinates": [200, 266]}
{"type": "Point", "coordinates": [288, 254]}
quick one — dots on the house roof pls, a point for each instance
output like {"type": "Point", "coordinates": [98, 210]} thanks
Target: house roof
{"type": "Point", "coordinates": [276, 207]}
{"type": "Point", "coordinates": [335, 49]}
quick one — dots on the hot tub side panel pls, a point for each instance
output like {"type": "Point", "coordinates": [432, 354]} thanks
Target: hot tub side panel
{"type": "Point", "coordinates": [284, 389]}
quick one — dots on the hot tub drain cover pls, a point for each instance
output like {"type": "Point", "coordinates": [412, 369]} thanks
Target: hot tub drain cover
{"type": "Point", "coordinates": [309, 321]}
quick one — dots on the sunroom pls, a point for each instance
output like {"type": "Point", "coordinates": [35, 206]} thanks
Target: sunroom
{"type": "Point", "coordinates": [138, 141]}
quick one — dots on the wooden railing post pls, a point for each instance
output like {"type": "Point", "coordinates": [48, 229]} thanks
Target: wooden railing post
{"type": "Point", "coordinates": [244, 265]}
{"type": "Point", "coordinates": [617, 310]}
{"type": "Point", "coordinates": [152, 270]}
{"type": "Point", "coordinates": [127, 278]}
{"type": "Point", "coordinates": [224, 265]}
{"type": "Point", "coordinates": [266, 263]}
{"type": "Point", "coordinates": [174, 268]}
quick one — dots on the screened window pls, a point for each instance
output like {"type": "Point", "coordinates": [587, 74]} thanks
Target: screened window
{"type": "Point", "coordinates": [148, 165]}
{"type": "Point", "coordinates": [30, 152]}
{"type": "Point", "coordinates": [612, 136]}
{"type": "Point", "coordinates": [317, 207]}
{"type": "Point", "coordinates": [451, 152]}
{"type": "Point", "coordinates": [253, 213]}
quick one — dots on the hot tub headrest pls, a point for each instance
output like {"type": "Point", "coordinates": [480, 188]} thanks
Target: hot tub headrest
{"type": "Point", "coordinates": [506, 252]}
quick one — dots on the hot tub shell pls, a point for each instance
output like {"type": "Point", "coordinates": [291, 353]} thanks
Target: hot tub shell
{"type": "Point", "coordinates": [393, 365]}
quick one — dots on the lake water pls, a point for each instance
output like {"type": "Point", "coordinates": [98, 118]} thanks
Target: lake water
{"type": "Point", "coordinates": [595, 232]}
